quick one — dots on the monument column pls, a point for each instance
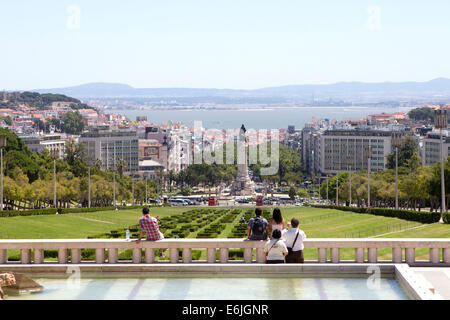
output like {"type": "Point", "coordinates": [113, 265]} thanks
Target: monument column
{"type": "Point", "coordinates": [242, 185]}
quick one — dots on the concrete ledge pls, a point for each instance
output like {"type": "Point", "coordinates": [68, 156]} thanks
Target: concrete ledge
{"type": "Point", "coordinates": [351, 268]}
{"type": "Point", "coordinates": [415, 285]}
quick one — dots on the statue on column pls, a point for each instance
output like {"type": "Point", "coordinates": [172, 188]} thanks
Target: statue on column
{"type": "Point", "coordinates": [242, 185]}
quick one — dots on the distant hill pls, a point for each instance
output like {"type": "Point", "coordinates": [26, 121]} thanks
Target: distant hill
{"type": "Point", "coordinates": [34, 99]}
{"type": "Point", "coordinates": [343, 90]}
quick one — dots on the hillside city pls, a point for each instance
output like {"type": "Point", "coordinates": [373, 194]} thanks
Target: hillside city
{"type": "Point", "coordinates": [326, 146]}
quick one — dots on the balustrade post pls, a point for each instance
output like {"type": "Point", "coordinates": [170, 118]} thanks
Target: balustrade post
{"type": "Point", "coordinates": [260, 255]}
{"type": "Point", "coordinates": [76, 255]}
{"type": "Point", "coordinates": [62, 256]}
{"type": "Point", "coordinates": [149, 255]}
{"type": "Point", "coordinates": [137, 255]}
{"type": "Point", "coordinates": [3, 256]}
{"type": "Point", "coordinates": [435, 255]}
{"type": "Point", "coordinates": [100, 256]}
{"type": "Point", "coordinates": [25, 256]}
{"type": "Point", "coordinates": [397, 255]}
{"type": "Point", "coordinates": [187, 255]}
{"type": "Point", "coordinates": [174, 255]}
{"type": "Point", "coordinates": [38, 256]}
{"type": "Point", "coordinates": [224, 255]}
{"type": "Point", "coordinates": [113, 255]}
{"type": "Point", "coordinates": [446, 255]}
{"type": "Point", "coordinates": [359, 255]}
{"type": "Point", "coordinates": [322, 254]}
{"type": "Point", "coordinates": [211, 255]}
{"type": "Point", "coordinates": [248, 255]}
{"type": "Point", "coordinates": [410, 255]}
{"type": "Point", "coordinates": [372, 255]}
{"type": "Point", "coordinates": [335, 255]}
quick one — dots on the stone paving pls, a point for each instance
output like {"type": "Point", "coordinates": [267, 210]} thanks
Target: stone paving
{"type": "Point", "coordinates": [439, 278]}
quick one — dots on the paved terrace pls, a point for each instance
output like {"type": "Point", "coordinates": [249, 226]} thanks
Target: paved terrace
{"type": "Point", "coordinates": [439, 250]}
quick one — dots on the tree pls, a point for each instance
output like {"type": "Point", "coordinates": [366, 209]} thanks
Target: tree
{"type": "Point", "coordinates": [121, 166]}
{"type": "Point", "coordinates": [7, 120]}
{"type": "Point", "coordinates": [72, 122]}
{"type": "Point", "coordinates": [292, 193]}
{"type": "Point", "coordinates": [422, 114]}
{"type": "Point", "coordinates": [406, 151]}
{"type": "Point", "coordinates": [186, 191]}
{"type": "Point", "coordinates": [98, 163]}
{"type": "Point", "coordinates": [302, 193]}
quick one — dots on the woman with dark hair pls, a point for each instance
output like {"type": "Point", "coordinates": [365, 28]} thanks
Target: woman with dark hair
{"type": "Point", "coordinates": [277, 222]}
{"type": "Point", "coordinates": [275, 250]}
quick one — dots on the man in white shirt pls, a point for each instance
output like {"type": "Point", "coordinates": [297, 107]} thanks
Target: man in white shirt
{"type": "Point", "coordinates": [294, 242]}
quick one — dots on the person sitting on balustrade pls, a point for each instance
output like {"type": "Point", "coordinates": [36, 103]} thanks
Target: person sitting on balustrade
{"type": "Point", "coordinates": [258, 227]}
{"type": "Point", "coordinates": [275, 250]}
{"type": "Point", "coordinates": [150, 225]}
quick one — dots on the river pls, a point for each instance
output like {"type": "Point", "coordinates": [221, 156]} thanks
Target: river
{"type": "Point", "coordinates": [258, 118]}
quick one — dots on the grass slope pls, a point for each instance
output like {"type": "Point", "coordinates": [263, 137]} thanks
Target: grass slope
{"type": "Point", "coordinates": [316, 222]}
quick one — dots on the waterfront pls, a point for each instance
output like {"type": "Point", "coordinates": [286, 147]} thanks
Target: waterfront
{"type": "Point", "coordinates": [258, 118]}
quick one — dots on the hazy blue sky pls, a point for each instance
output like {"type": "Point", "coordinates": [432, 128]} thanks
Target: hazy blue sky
{"type": "Point", "coordinates": [223, 44]}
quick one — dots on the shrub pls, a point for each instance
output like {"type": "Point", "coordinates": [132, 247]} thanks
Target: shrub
{"type": "Point", "coordinates": [419, 216]}
{"type": "Point", "coordinates": [88, 254]}
{"type": "Point", "coordinates": [48, 211]}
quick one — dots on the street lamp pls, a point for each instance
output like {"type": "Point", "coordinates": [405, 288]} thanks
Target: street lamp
{"type": "Point", "coordinates": [2, 145]}
{"type": "Point", "coordinates": [54, 183]}
{"type": "Point", "coordinates": [349, 168]}
{"type": "Point", "coordinates": [440, 122]}
{"type": "Point", "coordinates": [146, 190]}
{"type": "Point", "coordinates": [132, 191]}
{"type": "Point", "coordinates": [369, 156]}
{"type": "Point", "coordinates": [337, 188]}
{"type": "Point", "coordinates": [396, 142]}
{"type": "Point", "coordinates": [114, 177]}
{"type": "Point", "coordinates": [89, 187]}
{"type": "Point", "coordinates": [320, 178]}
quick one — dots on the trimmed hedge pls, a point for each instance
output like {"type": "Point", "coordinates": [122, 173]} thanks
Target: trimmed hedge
{"type": "Point", "coordinates": [419, 216]}
{"type": "Point", "coordinates": [36, 212]}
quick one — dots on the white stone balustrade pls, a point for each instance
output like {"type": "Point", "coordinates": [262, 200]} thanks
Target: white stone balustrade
{"type": "Point", "coordinates": [217, 250]}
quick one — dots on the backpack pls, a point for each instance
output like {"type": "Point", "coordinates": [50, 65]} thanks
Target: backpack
{"type": "Point", "coordinates": [258, 226]}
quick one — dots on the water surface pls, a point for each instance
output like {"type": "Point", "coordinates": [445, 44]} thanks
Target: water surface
{"type": "Point", "coordinates": [216, 287]}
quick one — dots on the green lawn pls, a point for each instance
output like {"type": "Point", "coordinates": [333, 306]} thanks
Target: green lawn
{"type": "Point", "coordinates": [316, 222]}
{"type": "Point", "coordinates": [74, 225]}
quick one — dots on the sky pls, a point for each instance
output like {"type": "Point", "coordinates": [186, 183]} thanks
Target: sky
{"type": "Point", "coordinates": [237, 44]}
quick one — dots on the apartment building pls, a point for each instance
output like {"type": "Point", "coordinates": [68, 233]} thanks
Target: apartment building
{"type": "Point", "coordinates": [350, 150]}
{"type": "Point", "coordinates": [431, 147]}
{"type": "Point", "coordinates": [110, 146]}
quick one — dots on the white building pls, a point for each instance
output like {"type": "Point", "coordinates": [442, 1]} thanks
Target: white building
{"type": "Point", "coordinates": [179, 150]}
{"type": "Point", "coordinates": [148, 169]}
{"type": "Point", "coordinates": [54, 143]}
